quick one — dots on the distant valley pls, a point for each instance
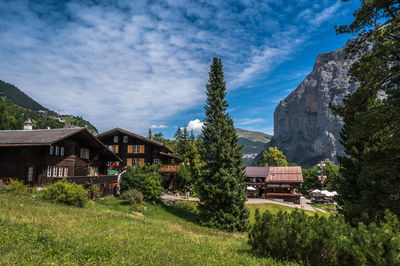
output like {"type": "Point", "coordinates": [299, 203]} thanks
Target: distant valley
{"type": "Point", "coordinates": [254, 143]}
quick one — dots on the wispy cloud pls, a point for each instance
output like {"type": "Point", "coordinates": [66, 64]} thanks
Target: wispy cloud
{"type": "Point", "coordinates": [246, 121]}
{"type": "Point", "coordinates": [158, 126]}
{"type": "Point", "coordinates": [133, 64]}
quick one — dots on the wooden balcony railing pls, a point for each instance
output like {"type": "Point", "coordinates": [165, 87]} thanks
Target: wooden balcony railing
{"type": "Point", "coordinates": [99, 179]}
{"type": "Point", "coordinates": [169, 168]}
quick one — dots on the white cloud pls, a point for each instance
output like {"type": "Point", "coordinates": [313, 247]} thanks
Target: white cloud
{"type": "Point", "coordinates": [195, 125]}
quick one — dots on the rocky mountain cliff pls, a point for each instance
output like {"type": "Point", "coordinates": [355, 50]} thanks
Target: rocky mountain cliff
{"type": "Point", "coordinates": [304, 127]}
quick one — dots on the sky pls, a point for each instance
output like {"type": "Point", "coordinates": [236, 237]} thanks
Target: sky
{"type": "Point", "coordinates": [144, 64]}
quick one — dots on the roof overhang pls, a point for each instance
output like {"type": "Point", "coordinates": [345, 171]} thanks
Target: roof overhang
{"type": "Point", "coordinates": [170, 155]}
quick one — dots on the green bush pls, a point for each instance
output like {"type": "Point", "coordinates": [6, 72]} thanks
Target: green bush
{"type": "Point", "coordinates": [318, 240]}
{"type": "Point", "coordinates": [134, 196]}
{"type": "Point", "coordinates": [144, 178]}
{"type": "Point", "coordinates": [16, 186]}
{"type": "Point", "coordinates": [151, 188]}
{"type": "Point", "coordinates": [66, 193]}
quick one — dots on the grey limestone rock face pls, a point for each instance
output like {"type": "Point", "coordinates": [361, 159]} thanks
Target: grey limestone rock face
{"type": "Point", "coordinates": [305, 128]}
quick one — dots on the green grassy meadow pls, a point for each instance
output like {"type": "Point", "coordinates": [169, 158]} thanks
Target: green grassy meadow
{"type": "Point", "coordinates": [110, 232]}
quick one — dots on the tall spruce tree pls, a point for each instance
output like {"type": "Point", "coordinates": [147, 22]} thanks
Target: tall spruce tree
{"type": "Point", "coordinates": [221, 186]}
{"type": "Point", "coordinates": [370, 170]}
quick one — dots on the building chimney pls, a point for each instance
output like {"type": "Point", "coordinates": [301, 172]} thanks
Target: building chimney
{"type": "Point", "coordinates": [28, 124]}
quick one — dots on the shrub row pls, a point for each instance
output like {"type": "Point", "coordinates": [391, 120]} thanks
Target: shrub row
{"type": "Point", "coordinates": [316, 240]}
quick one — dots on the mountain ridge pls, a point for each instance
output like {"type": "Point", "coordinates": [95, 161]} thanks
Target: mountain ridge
{"type": "Point", "coordinates": [254, 142]}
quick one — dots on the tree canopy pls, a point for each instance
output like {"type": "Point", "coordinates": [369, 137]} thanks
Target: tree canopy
{"type": "Point", "coordinates": [272, 157]}
{"type": "Point", "coordinates": [371, 131]}
{"type": "Point", "coordinates": [221, 186]}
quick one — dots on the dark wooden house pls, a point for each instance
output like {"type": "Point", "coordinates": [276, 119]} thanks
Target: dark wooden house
{"type": "Point", "coordinates": [39, 157]}
{"type": "Point", "coordinates": [135, 149]}
{"type": "Point", "coordinates": [278, 182]}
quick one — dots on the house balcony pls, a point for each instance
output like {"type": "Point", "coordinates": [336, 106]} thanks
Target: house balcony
{"type": "Point", "coordinates": [169, 168]}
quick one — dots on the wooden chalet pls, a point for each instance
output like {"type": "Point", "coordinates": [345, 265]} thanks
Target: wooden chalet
{"type": "Point", "coordinates": [39, 157]}
{"type": "Point", "coordinates": [274, 182]}
{"type": "Point", "coordinates": [135, 149]}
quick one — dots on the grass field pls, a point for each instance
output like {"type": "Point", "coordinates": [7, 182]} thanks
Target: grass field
{"type": "Point", "coordinates": [110, 232]}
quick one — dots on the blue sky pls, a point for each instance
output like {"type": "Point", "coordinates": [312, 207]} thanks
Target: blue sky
{"type": "Point", "coordinates": [142, 64]}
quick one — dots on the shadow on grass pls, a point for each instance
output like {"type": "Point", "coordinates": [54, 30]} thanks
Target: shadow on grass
{"type": "Point", "coordinates": [184, 211]}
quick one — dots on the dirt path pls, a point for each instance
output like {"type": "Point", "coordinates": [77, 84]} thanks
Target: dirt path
{"type": "Point", "coordinates": [249, 201]}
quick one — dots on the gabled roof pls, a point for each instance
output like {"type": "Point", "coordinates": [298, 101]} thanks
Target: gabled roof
{"type": "Point", "coordinates": [256, 171]}
{"type": "Point", "coordinates": [45, 137]}
{"type": "Point", "coordinates": [35, 137]}
{"type": "Point", "coordinates": [285, 174]}
{"type": "Point", "coordinates": [280, 174]}
{"type": "Point", "coordinates": [128, 133]}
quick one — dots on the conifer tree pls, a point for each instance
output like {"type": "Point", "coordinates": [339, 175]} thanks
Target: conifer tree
{"type": "Point", "coordinates": [370, 170]}
{"type": "Point", "coordinates": [221, 186]}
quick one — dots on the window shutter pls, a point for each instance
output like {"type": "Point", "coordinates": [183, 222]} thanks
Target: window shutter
{"type": "Point", "coordinates": [129, 162]}
{"type": "Point", "coordinates": [116, 148]}
{"type": "Point", "coordinates": [130, 149]}
{"type": "Point", "coordinates": [141, 148]}
{"type": "Point", "coordinates": [141, 160]}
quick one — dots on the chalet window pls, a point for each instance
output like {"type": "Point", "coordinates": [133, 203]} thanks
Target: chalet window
{"type": "Point", "coordinates": [30, 174]}
{"type": "Point", "coordinates": [65, 171]}
{"type": "Point", "coordinates": [57, 151]}
{"type": "Point", "coordinates": [110, 147]}
{"type": "Point", "coordinates": [116, 139]}
{"type": "Point", "coordinates": [51, 150]}
{"type": "Point", "coordinates": [135, 148]}
{"type": "Point", "coordinates": [96, 156]}
{"type": "Point", "coordinates": [54, 171]}
{"type": "Point", "coordinates": [129, 162]}
{"type": "Point", "coordinates": [85, 153]}
{"type": "Point", "coordinates": [62, 151]}
{"type": "Point", "coordinates": [130, 149]}
{"type": "Point", "coordinates": [135, 160]}
{"type": "Point", "coordinates": [60, 171]}
{"type": "Point", "coordinates": [116, 149]}
{"type": "Point", "coordinates": [49, 171]}
{"type": "Point", "coordinates": [125, 139]}
{"type": "Point", "coordinates": [96, 171]}
{"type": "Point", "coordinates": [156, 161]}
{"type": "Point", "coordinates": [141, 148]}
{"type": "Point", "coordinates": [141, 160]}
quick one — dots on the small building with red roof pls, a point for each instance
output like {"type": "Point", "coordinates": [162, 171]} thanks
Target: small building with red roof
{"type": "Point", "coordinates": [274, 182]}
